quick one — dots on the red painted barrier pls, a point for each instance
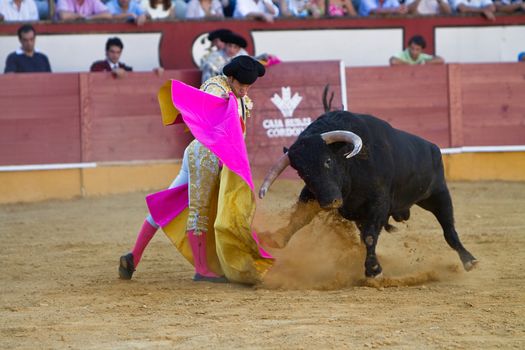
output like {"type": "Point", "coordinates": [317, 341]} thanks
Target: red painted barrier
{"type": "Point", "coordinates": [269, 130]}
{"type": "Point", "coordinates": [39, 119]}
{"type": "Point", "coordinates": [121, 117]}
{"type": "Point", "coordinates": [411, 98]}
{"type": "Point", "coordinates": [493, 99]}
{"type": "Point", "coordinates": [91, 117]}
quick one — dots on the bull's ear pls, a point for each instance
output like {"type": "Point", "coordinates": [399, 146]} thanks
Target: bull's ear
{"type": "Point", "coordinates": [285, 150]}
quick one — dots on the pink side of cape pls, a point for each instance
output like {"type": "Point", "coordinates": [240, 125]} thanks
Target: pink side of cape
{"type": "Point", "coordinates": [166, 205]}
{"type": "Point", "coordinates": [214, 121]}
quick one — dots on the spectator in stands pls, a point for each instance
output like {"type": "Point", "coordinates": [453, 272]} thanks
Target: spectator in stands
{"type": "Point", "coordinates": [428, 7]}
{"type": "Point", "coordinates": [18, 10]}
{"type": "Point", "coordinates": [301, 8]}
{"type": "Point", "coordinates": [114, 47]}
{"type": "Point", "coordinates": [380, 8]}
{"type": "Point", "coordinates": [81, 9]}
{"type": "Point", "coordinates": [509, 6]}
{"type": "Point", "coordinates": [27, 59]}
{"type": "Point", "coordinates": [131, 10]}
{"type": "Point", "coordinates": [157, 9]}
{"type": "Point", "coordinates": [263, 10]}
{"type": "Point", "coordinates": [340, 8]}
{"type": "Point", "coordinates": [216, 43]}
{"type": "Point", "coordinates": [234, 45]}
{"type": "Point", "coordinates": [204, 9]}
{"type": "Point", "coordinates": [484, 7]}
{"type": "Point", "coordinates": [294, 8]}
{"type": "Point", "coordinates": [228, 6]}
{"type": "Point", "coordinates": [414, 54]}
{"type": "Point", "coordinates": [216, 38]}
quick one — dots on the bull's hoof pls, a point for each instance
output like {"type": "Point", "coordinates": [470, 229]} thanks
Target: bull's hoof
{"type": "Point", "coordinates": [471, 264]}
{"type": "Point", "coordinates": [390, 228]}
{"type": "Point", "coordinates": [374, 271]}
{"type": "Point", "coordinates": [376, 277]}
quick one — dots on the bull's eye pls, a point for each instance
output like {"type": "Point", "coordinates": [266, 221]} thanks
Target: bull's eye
{"type": "Point", "coordinates": [327, 163]}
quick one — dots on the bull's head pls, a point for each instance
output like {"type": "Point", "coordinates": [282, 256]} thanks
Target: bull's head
{"type": "Point", "coordinates": [317, 165]}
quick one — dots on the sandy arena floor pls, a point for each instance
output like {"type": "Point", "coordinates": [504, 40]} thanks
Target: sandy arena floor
{"type": "Point", "coordinates": [59, 287]}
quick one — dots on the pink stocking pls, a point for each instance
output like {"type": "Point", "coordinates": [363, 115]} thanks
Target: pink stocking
{"type": "Point", "coordinates": [145, 235]}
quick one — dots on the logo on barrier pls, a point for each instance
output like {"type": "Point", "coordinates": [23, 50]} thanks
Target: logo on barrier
{"type": "Point", "coordinates": [286, 104]}
{"type": "Point", "coordinates": [286, 126]}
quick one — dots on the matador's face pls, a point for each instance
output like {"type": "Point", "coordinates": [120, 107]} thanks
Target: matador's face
{"type": "Point", "coordinates": [239, 89]}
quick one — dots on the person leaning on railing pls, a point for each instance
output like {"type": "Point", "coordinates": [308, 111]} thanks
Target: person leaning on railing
{"type": "Point", "coordinates": [204, 9]}
{"type": "Point", "coordinates": [509, 6]}
{"type": "Point", "coordinates": [264, 10]}
{"type": "Point", "coordinates": [158, 9]}
{"type": "Point", "coordinates": [414, 54]}
{"type": "Point", "coordinates": [484, 7]}
{"type": "Point", "coordinates": [81, 9]}
{"type": "Point", "coordinates": [428, 7]}
{"type": "Point", "coordinates": [381, 8]}
{"type": "Point", "coordinates": [131, 10]}
{"type": "Point", "coordinates": [18, 10]}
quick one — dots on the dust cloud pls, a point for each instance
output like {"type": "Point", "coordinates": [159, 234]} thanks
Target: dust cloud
{"type": "Point", "coordinates": [327, 254]}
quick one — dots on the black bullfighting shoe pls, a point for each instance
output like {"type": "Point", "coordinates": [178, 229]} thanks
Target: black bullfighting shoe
{"type": "Point", "coordinates": [127, 267]}
{"type": "Point", "coordinates": [201, 278]}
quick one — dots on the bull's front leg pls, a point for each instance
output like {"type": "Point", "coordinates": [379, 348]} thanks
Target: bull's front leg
{"type": "Point", "coordinates": [302, 214]}
{"type": "Point", "coordinates": [370, 229]}
{"type": "Point", "coordinates": [370, 236]}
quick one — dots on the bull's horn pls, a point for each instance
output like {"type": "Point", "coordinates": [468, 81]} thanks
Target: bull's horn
{"type": "Point", "coordinates": [343, 136]}
{"type": "Point", "coordinates": [274, 172]}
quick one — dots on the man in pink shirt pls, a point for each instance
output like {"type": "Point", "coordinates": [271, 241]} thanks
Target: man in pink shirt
{"type": "Point", "coordinates": [86, 9]}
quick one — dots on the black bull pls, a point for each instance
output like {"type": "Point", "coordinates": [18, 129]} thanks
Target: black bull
{"type": "Point", "coordinates": [369, 171]}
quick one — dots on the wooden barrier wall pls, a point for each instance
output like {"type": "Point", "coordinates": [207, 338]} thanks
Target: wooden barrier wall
{"type": "Point", "coordinates": [307, 80]}
{"type": "Point", "coordinates": [492, 110]}
{"type": "Point", "coordinates": [92, 117]}
{"type": "Point", "coordinates": [69, 118]}
{"type": "Point", "coordinates": [451, 105]}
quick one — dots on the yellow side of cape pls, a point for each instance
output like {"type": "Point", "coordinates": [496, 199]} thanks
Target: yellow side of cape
{"type": "Point", "coordinates": [167, 109]}
{"type": "Point", "coordinates": [231, 250]}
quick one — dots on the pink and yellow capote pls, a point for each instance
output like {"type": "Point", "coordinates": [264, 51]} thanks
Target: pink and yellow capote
{"type": "Point", "coordinates": [232, 246]}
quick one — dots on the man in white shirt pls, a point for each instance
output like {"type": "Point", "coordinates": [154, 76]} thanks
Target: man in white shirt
{"type": "Point", "coordinates": [509, 6]}
{"type": "Point", "coordinates": [381, 8]}
{"type": "Point", "coordinates": [18, 10]}
{"type": "Point", "coordinates": [264, 10]}
{"type": "Point", "coordinates": [483, 7]}
{"type": "Point", "coordinates": [428, 7]}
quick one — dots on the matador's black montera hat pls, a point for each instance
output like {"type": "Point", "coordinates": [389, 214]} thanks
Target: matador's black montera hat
{"type": "Point", "coordinates": [244, 69]}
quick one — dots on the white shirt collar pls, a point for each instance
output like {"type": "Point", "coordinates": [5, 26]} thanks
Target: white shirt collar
{"type": "Point", "coordinates": [113, 65]}
{"type": "Point", "coordinates": [19, 51]}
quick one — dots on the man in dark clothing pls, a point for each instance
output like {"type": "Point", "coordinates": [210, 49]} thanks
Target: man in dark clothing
{"type": "Point", "coordinates": [26, 59]}
{"type": "Point", "coordinates": [112, 64]}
